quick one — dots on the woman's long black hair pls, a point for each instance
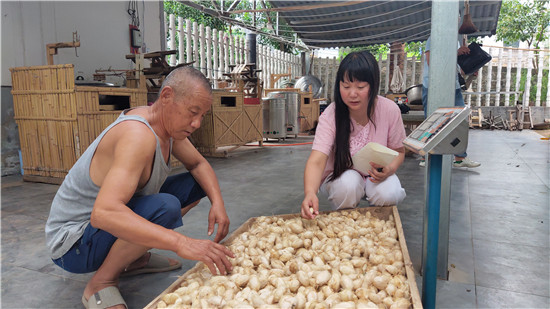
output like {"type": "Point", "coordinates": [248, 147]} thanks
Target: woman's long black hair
{"type": "Point", "coordinates": [356, 66]}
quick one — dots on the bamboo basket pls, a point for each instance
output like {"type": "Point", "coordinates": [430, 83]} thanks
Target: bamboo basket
{"type": "Point", "coordinates": [379, 212]}
{"type": "Point", "coordinates": [229, 123]}
{"type": "Point", "coordinates": [57, 120]}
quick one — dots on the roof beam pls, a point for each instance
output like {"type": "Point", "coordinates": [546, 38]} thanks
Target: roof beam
{"type": "Point", "coordinates": [240, 24]}
{"type": "Point", "coordinates": [305, 7]}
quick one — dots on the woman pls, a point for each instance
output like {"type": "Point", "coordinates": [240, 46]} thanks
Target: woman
{"type": "Point", "coordinates": [358, 116]}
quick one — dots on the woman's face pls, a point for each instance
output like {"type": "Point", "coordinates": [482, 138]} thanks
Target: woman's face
{"type": "Point", "coordinates": [355, 94]}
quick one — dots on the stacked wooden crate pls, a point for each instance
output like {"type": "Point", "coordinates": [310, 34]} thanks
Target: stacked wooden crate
{"type": "Point", "coordinates": [58, 120]}
{"type": "Point", "coordinates": [230, 122]}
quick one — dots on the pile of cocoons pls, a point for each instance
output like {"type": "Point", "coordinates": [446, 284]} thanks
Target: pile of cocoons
{"type": "Point", "coordinates": [342, 259]}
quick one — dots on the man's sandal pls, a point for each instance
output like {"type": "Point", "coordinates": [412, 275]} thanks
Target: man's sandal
{"type": "Point", "coordinates": [108, 297]}
{"type": "Point", "coordinates": [156, 264]}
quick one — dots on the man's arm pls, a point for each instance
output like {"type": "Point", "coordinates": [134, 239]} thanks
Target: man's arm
{"type": "Point", "coordinates": [132, 147]}
{"type": "Point", "coordinates": [204, 174]}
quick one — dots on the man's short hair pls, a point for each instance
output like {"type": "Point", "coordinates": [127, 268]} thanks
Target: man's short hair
{"type": "Point", "coordinates": [176, 79]}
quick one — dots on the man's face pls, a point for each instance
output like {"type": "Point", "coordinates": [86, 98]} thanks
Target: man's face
{"type": "Point", "coordinates": [187, 112]}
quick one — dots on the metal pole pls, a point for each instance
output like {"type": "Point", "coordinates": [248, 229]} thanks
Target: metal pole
{"type": "Point", "coordinates": [444, 218]}
{"type": "Point", "coordinates": [430, 233]}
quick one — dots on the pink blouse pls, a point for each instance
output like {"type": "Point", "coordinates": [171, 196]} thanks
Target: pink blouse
{"type": "Point", "coordinates": [389, 131]}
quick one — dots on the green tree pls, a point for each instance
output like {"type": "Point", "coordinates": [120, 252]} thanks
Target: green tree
{"type": "Point", "coordinates": [524, 21]}
{"type": "Point", "coordinates": [263, 21]}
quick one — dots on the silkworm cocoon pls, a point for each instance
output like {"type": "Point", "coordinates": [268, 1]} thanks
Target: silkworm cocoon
{"type": "Point", "coordinates": [334, 282]}
{"type": "Point", "coordinates": [346, 269]}
{"type": "Point", "coordinates": [161, 304]}
{"type": "Point", "coordinates": [380, 282]}
{"type": "Point", "coordinates": [332, 299]}
{"type": "Point", "coordinates": [296, 227]}
{"type": "Point", "coordinates": [326, 291]}
{"type": "Point", "coordinates": [170, 298]}
{"type": "Point", "coordinates": [287, 302]}
{"type": "Point", "coordinates": [293, 285]}
{"type": "Point", "coordinates": [400, 304]}
{"type": "Point", "coordinates": [216, 301]}
{"type": "Point", "coordinates": [376, 259]}
{"type": "Point", "coordinates": [311, 295]}
{"type": "Point", "coordinates": [277, 264]}
{"type": "Point", "coordinates": [375, 298]}
{"type": "Point", "coordinates": [322, 278]}
{"type": "Point", "coordinates": [347, 295]}
{"type": "Point", "coordinates": [366, 304]}
{"type": "Point", "coordinates": [344, 305]}
{"type": "Point", "coordinates": [240, 280]}
{"type": "Point", "coordinates": [357, 283]}
{"type": "Point", "coordinates": [330, 233]}
{"type": "Point", "coordinates": [285, 256]}
{"type": "Point", "coordinates": [297, 243]}
{"type": "Point", "coordinates": [311, 304]}
{"type": "Point", "coordinates": [318, 261]}
{"type": "Point", "coordinates": [303, 277]}
{"type": "Point", "coordinates": [300, 301]}
{"type": "Point", "coordinates": [307, 255]}
{"type": "Point", "coordinates": [346, 282]}
{"type": "Point", "coordinates": [254, 283]}
{"type": "Point", "coordinates": [388, 301]}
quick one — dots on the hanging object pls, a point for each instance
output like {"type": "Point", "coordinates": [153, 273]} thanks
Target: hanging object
{"type": "Point", "coordinates": [467, 26]}
{"type": "Point", "coordinates": [397, 84]}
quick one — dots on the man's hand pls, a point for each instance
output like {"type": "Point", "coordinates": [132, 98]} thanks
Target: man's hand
{"type": "Point", "coordinates": [218, 215]}
{"type": "Point", "coordinates": [463, 50]}
{"type": "Point", "coordinates": [212, 254]}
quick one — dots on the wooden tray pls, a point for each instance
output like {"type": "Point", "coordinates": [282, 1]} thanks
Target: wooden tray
{"type": "Point", "coordinates": [378, 212]}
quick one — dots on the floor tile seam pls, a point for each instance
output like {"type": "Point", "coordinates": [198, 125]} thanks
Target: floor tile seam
{"type": "Point", "coordinates": [517, 155]}
{"type": "Point", "coordinates": [46, 274]}
{"type": "Point", "coordinates": [509, 290]}
{"type": "Point", "coordinates": [547, 246]}
{"type": "Point", "coordinates": [471, 243]}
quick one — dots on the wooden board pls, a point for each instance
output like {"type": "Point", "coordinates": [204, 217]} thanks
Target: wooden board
{"type": "Point", "coordinates": [383, 213]}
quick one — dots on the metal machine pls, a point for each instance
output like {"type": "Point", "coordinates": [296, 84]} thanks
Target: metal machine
{"type": "Point", "coordinates": [292, 113]}
{"type": "Point", "coordinates": [444, 132]}
{"type": "Point", "coordinates": [273, 109]}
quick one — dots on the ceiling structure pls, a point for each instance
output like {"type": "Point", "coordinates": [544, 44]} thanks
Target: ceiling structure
{"type": "Point", "coordinates": [325, 24]}
{"type": "Point", "coordinates": [354, 23]}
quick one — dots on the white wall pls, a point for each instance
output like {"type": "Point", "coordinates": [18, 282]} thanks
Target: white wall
{"type": "Point", "coordinates": [27, 26]}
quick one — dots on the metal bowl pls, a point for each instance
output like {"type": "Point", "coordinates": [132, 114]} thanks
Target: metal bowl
{"type": "Point", "coordinates": [304, 82]}
{"type": "Point", "coordinates": [414, 94]}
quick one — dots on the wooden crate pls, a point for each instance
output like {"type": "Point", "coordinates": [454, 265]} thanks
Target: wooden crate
{"type": "Point", "coordinates": [228, 123]}
{"type": "Point", "coordinates": [378, 212]}
{"type": "Point", "coordinates": [57, 120]}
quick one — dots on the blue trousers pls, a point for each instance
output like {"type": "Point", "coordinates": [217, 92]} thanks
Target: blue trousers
{"type": "Point", "coordinates": [459, 101]}
{"type": "Point", "coordinates": [164, 209]}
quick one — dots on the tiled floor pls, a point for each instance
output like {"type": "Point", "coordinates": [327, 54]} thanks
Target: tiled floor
{"type": "Point", "coordinates": [499, 251]}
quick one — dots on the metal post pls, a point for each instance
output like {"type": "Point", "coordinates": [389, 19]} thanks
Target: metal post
{"type": "Point", "coordinates": [430, 232]}
{"type": "Point", "coordinates": [444, 217]}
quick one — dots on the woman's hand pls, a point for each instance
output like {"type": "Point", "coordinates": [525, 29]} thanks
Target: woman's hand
{"type": "Point", "coordinates": [379, 173]}
{"type": "Point", "coordinates": [310, 206]}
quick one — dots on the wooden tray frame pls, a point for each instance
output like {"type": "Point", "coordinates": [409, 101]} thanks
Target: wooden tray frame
{"type": "Point", "coordinates": [383, 212]}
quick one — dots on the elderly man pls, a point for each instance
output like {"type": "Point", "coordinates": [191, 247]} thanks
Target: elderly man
{"type": "Point", "coordinates": [117, 201]}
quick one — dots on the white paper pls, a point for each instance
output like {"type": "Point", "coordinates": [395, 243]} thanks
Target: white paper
{"type": "Point", "coordinates": [372, 152]}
